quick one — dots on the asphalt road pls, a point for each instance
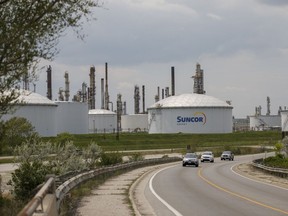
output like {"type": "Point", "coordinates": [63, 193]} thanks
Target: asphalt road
{"type": "Point", "coordinates": [213, 189]}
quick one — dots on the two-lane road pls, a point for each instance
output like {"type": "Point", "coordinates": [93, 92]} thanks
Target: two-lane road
{"type": "Point", "coordinates": [213, 189]}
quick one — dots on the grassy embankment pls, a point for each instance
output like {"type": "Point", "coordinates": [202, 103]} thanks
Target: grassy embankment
{"type": "Point", "coordinates": [176, 142]}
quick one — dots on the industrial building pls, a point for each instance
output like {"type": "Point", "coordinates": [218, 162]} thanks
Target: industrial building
{"type": "Point", "coordinates": [190, 113]}
{"type": "Point", "coordinates": [102, 121]}
{"type": "Point", "coordinates": [259, 122]}
{"type": "Point", "coordinates": [50, 118]}
{"type": "Point", "coordinates": [284, 122]}
{"type": "Point", "coordinates": [134, 123]}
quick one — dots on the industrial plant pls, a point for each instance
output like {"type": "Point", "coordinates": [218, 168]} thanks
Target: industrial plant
{"type": "Point", "coordinates": [171, 113]}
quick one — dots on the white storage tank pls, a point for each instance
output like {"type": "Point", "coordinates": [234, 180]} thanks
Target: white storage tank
{"type": "Point", "coordinates": [102, 121]}
{"type": "Point", "coordinates": [265, 122]}
{"type": "Point", "coordinates": [38, 110]}
{"type": "Point", "coordinates": [134, 123]}
{"type": "Point", "coordinates": [284, 120]}
{"type": "Point", "coordinates": [72, 117]}
{"type": "Point", "coordinates": [190, 113]}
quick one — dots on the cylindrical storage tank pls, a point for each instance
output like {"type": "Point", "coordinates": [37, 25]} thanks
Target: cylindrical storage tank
{"type": "Point", "coordinates": [38, 110]}
{"type": "Point", "coordinates": [284, 120]}
{"type": "Point", "coordinates": [134, 122]}
{"type": "Point", "coordinates": [72, 117]}
{"type": "Point", "coordinates": [190, 113]}
{"type": "Point", "coordinates": [102, 121]}
{"type": "Point", "coordinates": [265, 122]}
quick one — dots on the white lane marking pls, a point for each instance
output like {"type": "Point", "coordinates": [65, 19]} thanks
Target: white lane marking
{"type": "Point", "coordinates": [256, 180]}
{"type": "Point", "coordinates": [158, 197]}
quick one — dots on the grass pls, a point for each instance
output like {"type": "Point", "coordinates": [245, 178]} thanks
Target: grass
{"type": "Point", "coordinates": [144, 141]}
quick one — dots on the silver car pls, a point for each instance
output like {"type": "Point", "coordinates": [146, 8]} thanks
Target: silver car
{"type": "Point", "coordinates": [227, 155]}
{"type": "Point", "coordinates": [190, 159]}
{"type": "Point", "coordinates": [207, 156]}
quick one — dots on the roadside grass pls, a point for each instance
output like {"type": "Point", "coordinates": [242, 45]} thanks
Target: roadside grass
{"type": "Point", "coordinates": [145, 141]}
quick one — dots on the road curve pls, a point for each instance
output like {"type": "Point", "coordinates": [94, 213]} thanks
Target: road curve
{"type": "Point", "coordinates": [213, 189]}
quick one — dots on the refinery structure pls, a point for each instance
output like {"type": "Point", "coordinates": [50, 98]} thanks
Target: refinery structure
{"type": "Point", "coordinates": [194, 112]}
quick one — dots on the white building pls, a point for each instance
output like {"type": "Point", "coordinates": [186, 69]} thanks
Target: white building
{"type": "Point", "coordinates": [134, 122]}
{"type": "Point", "coordinates": [38, 110]}
{"type": "Point", "coordinates": [102, 121]}
{"type": "Point", "coordinates": [71, 117]}
{"type": "Point", "coordinates": [264, 122]}
{"type": "Point", "coordinates": [190, 113]}
{"type": "Point", "coordinates": [50, 118]}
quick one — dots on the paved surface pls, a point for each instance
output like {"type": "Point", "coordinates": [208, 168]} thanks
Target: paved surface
{"type": "Point", "coordinates": [112, 197]}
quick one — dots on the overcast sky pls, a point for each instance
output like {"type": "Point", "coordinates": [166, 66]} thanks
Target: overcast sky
{"type": "Point", "coordinates": [242, 46]}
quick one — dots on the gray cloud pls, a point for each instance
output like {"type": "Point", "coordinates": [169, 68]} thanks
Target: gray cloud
{"type": "Point", "coordinates": [275, 2]}
{"type": "Point", "coordinates": [239, 47]}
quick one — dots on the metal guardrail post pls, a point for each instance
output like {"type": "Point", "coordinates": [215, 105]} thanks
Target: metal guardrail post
{"type": "Point", "coordinates": [37, 200]}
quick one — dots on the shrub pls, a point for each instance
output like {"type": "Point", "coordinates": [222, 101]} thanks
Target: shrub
{"type": "Point", "coordinates": [27, 177]}
{"type": "Point", "coordinates": [279, 161]}
{"type": "Point", "coordinates": [110, 158]}
{"type": "Point", "coordinates": [64, 137]}
{"type": "Point", "coordinates": [136, 157]}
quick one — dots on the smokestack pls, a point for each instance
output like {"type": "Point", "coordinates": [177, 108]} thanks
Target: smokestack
{"type": "Point", "coordinates": [136, 99]}
{"type": "Point", "coordinates": [102, 93]}
{"type": "Point", "coordinates": [167, 92]}
{"type": "Point", "coordinates": [157, 97]}
{"type": "Point", "coordinates": [163, 94]}
{"type": "Point", "coordinates": [92, 89]}
{"type": "Point", "coordinates": [49, 82]}
{"type": "Point", "coordinates": [143, 97]}
{"type": "Point", "coordinates": [67, 91]}
{"type": "Point", "coordinates": [172, 81]}
{"type": "Point", "coordinates": [106, 88]}
{"type": "Point", "coordinates": [83, 93]}
{"type": "Point", "coordinates": [268, 106]}
{"type": "Point", "coordinates": [124, 108]}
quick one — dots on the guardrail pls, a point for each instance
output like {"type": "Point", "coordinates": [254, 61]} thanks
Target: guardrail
{"type": "Point", "coordinates": [272, 170]}
{"type": "Point", "coordinates": [48, 199]}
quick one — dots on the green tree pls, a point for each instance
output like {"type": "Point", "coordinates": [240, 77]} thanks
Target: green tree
{"type": "Point", "coordinates": [29, 31]}
{"type": "Point", "coordinates": [14, 132]}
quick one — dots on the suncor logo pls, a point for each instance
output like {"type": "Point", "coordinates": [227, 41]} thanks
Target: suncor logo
{"type": "Point", "coordinates": [198, 117]}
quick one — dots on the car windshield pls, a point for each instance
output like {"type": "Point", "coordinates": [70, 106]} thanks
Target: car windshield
{"type": "Point", "coordinates": [226, 152]}
{"type": "Point", "coordinates": [190, 155]}
{"type": "Point", "coordinates": [207, 153]}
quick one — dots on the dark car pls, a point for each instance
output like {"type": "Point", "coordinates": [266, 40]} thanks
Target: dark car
{"type": "Point", "coordinates": [227, 155]}
{"type": "Point", "coordinates": [190, 159]}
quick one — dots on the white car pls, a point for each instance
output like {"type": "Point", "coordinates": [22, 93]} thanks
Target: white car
{"type": "Point", "coordinates": [207, 156]}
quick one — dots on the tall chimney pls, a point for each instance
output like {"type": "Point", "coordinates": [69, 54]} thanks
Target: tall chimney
{"type": "Point", "coordinates": [102, 93]}
{"type": "Point", "coordinates": [136, 99]}
{"type": "Point", "coordinates": [67, 91]}
{"type": "Point", "coordinates": [163, 93]}
{"type": "Point", "coordinates": [106, 88]}
{"type": "Point", "coordinates": [92, 89]}
{"type": "Point", "coordinates": [172, 81]}
{"type": "Point", "coordinates": [143, 98]}
{"type": "Point", "coordinates": [49, 82]}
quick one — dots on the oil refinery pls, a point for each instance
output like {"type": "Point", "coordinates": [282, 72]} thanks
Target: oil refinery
{"type": "Point", "coordinates": [171, 113]}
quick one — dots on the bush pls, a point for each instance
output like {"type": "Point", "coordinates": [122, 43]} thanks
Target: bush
{"type": "Point", "coordinates": [64, 137]}
{"type": "Point", "coordinates": [136, 157]}
{"type": "Point", "coordinates": [110, 158]}
{"type": "Point", "coordinates": [278, 161]}
{"type": "Point", "coordinates": [35, 162]}
{"type": "Point", "coordinates": [27, 177]}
